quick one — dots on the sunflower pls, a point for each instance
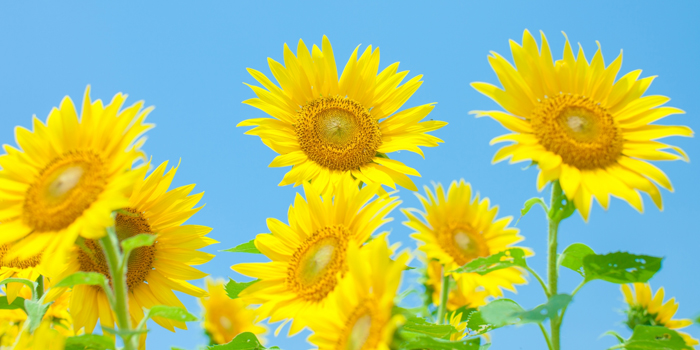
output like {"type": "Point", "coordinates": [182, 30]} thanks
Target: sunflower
{"type": "Point", "coordinates": [652, 311]}
{"type": "Point", "coordinates": [359, 315]}
{"type": "Point", "coordinates": [44, 337]}
{"type": "Point", "coordinates": [56, 313]}
{"type": "Point", "coordinates": [17, 268]}
{"type": "Point", "coordinates": [325, 127]}
{"type": "Point", "coordinates": [580, 126]}
{"type": "Point", "coordinates": [458, 229]}
{"type": "Point", "coordinates": [466, 292]}
{"type": "Point", "coordinates": [455, 320]}
{"type": "Point", "coordinates": [225, 318]}
{"type": "Point", "coordinates": [68, 176]}
{"type": "Point", "coordinates": [154, 271]}
{"type": "Point", "coordinates": [309, 256]}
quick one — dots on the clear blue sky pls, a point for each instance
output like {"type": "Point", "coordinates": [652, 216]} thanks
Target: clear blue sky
{"type": "Point", "coordinates": [189, 61]}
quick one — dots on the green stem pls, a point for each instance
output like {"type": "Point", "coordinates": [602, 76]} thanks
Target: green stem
{"type": "Point", "coordinates": [546, 336]}
{"type": "Point", "coordinates": [110, 246]}
{"type": "Point", "coordinates": [40, 287]}
{"type": "Point", "coordinates": [539, 279]}
{"type": "Point", "coordinates": [552, 268]}
{"type": "Point", "coordinates": [444, 292]}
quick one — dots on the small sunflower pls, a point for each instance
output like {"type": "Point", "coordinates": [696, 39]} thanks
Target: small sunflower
{"type": "Point", "coordinates": [652, 311]}
{"type": "Point", "coordinates": [56, 313]}
{"type": "Point", "coordinates": [456, 229]}
{"type": "Point", "coordinates": [466, 292]}
{"type": "Point", "coordinates": [154, 271]}
{"type": "Point", "coordinates": [580, 126]}
{"type": "Point", "coordinates": [68, 176]}
{"type": "Point", "coordinates": [17, 268]}
{"type": "Point", "coordinates": [455, 320]}
{"type": "Point", "coordinates": [225, 318]}
{"type": "Point", "coordinates": [309, 256]}
{"type": "Point", "coordinates": [359, 315]}
{"type": "Point", "coordinates": [326, 127]}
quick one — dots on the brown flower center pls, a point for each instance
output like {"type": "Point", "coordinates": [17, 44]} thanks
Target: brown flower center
{"type": "Point", "coordinates": [463, 243]}
{"type": "Point", "coordinates": [363, 329]}
{"type": "Point", "coordinates": [579, 130]}
{"type": "Point", "coordinates": [17, 263]}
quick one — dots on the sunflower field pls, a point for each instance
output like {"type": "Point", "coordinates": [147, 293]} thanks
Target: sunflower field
{"type": "Point", "coordinates": [360, 215]}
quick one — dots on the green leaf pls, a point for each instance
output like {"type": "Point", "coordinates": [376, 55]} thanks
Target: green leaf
{"type": "Point", "coordinates": [573, 256]}
{"type": "Point", "coordinates": [421, 326]}
{"type": "Point", "coordinates": [234, 288]}
{"type": "Point", "coordinates": [547, 310]}
{"type": "Point", "coordinates": [29, 283]}
{"type": "Point", "coordinates": [411, 341]}
{"type": "Point", "coordinates": [243, 341]}
{"type": "Point", "coordinates": [621, 267]}
{"type": "Point", "coordinates": [248, 247]}
{"type": "Point", "coordinates": [528, 205]}
{"type": "Point", "coordinates": [505, 259]}
{"type": "Point", "coordinates": [89, 342]}
{"type": "Point", "coordinates": [140, 240]}
{"type": "Point", "coordinates": [501, 312]}
{"type": "Point", "coordinates": [477, 325]}
{"type": "Point", "coordinates": [88, 278]}
{"type": "Point", "coordinates": [18, 303]}
{"type": "Point", "coordinates": [653, 337]}
{"type": "Point", "coordinates": [35, 312]}
{"type": "Point", "coordinates": [172, 313]}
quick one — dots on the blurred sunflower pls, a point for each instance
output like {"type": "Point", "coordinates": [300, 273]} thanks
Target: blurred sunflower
{"type": "Point", "coordinates": [153, 271]}
{"type": "Point", "coordinates": [309, 256]}
{"type": "Point", "coordinates": [325, 127]}
{"type": "Point", "coordinates": [456, 229]}
{"type": "Point", "coordinates": [68, 177]}
{"type": "Point", "coordinates": [17, 268]}
{"type": "Point", "coordinates": [652, 311]}
{"type": "Point", "coordinates": [580, 126]}
{"type": "Point", "coordinates": [359, 315]}
{"type": "Point", "coordinates": [466, 292]}
{"type": "Point", "coordinates": [225, 318]}
{"type": "Point", "coordinates": [44, 337]}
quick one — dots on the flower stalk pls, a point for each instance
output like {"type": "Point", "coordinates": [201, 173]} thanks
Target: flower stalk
{"type": "Point", "coordinates": [118, 301]}
{"type": "Point", "coordinates": [444, 293]}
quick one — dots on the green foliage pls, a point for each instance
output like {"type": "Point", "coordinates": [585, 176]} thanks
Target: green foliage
{"type": "Point", "coordinates": [243, 341]}
{"type": "Point", "coordinates": [29, 283]}
{"type": "Point", "coordinates": [572, 257]}
{"type": "Point", "coordinates": [547, 310]}
{"type": "Point", "coordinates": [172, 313]}
{"type": "Point", "coordinates": [35, 312]}
{"type": "Point", "coordinates": [426, 342]}
{"type": "Point", "coordinates": [620, 267]}
{"type": "Point", "coordinates": [18, 303]}
{"type": "Point", "coordinates": [421, 326]}
{"type": "Point", "coordinates": [529, 204]}
{"type": "Point", "coordinates": [89, 342]}
{"type": "Point", "coordinates": [89, 278]}
{"type": "Point", "coordinates": [498, 313]}
{"type": "Point", "coordinates": [234, 288]}
{"type": "Point", "coordinates": [124, 332]}
{"type": "Point", "coordinates": [505, 259]}
{"type": "Point", "coordinates": [140, 240]}
{"type": "Point", "coordinates": [616, 335]}
{"type": "Point", "coordinates": [248, 247]}
{"type": "Point", "coordinates": [653, 337]}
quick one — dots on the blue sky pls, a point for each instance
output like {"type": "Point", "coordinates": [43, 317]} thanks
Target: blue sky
{"type": "Point", "coordinates": [188, 59]}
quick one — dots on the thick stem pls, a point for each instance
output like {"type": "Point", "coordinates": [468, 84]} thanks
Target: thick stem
{"type": "Point", "coordinates": [444, 293]}
{"type": "Point", "coordinates": [110, 246]}
{"type": "Point", "coordinates": [40, 287]}
{"type": "Point", "coordinates": [552, 270]}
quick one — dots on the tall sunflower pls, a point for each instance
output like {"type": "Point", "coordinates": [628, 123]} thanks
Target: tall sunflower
{"type": "Point", "coordinates": [359, 315]}
{"type": "Point", "coordinates": [652, 311]}
{"type": "Point", "coordinates": [326, 127]}
{"type": "Point", "coordinates": [68, 176]}
{"type": "Point", "coordinates": [456, 229]}
{"type": "Point", "coordinates": [225, 318]}
{"type": "Point", "coordinates": [580, 126]}
{"type": "Point", "coordinates": [309, 256]}
{"type": "Point", "coordinates": [154, 271]}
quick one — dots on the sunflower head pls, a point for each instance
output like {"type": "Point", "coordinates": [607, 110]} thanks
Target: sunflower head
{"type": "Point", "coordinates": [580, 125]}
{"type": "Point", "coordinates": [309, 256]}
{"type": "Point", "coordinates": [647, 310]}
{"type": "Point", "coordinates": [154, 271]}
{"type": "Point", "coordinates": [327, 127]}
{"type": "Point", "coordinates": [359, 314]}
{"type": "Point", "coordinates": [67, 177]}
{"type": "Point", "coordinates": [455, 229]}
{"type": "Point", "coordinates": [224, 318]}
